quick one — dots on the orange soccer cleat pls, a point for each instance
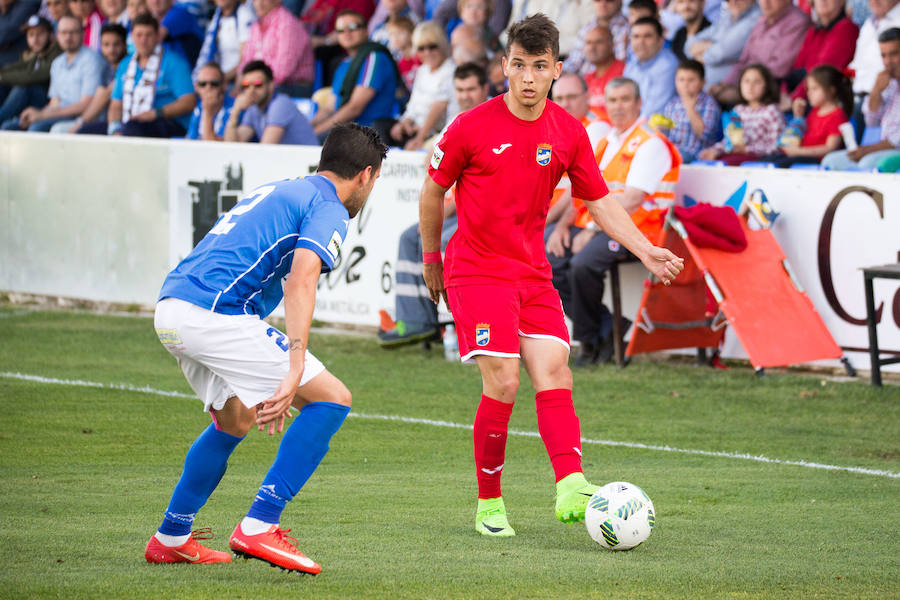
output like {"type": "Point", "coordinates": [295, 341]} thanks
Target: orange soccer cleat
{"type": "Point", "coordinates": [191, 551]}
{"type": "Point", "coordinates": [273, 547]}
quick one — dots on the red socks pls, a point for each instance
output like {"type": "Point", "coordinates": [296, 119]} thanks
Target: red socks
{"type": "Point", "coordinates": [560, 430]}
{"type": "Point", "coordinates": [557, 424]}
{"type": "Point", "coordinates": [489, 435]}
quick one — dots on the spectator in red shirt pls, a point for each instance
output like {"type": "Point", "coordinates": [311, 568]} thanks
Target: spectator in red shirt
{"type": "Point", "coordinates": [831, 97]}
{"type": "Point", "coordinates": [598, 52]}
{"type": "Point", "coordinates": [322, 15]}
{"type": "Point", "coordinates": [830, 40]}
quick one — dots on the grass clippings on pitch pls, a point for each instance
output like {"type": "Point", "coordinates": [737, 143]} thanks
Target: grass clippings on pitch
{"type": "Point", "coordinates": [85, 474]}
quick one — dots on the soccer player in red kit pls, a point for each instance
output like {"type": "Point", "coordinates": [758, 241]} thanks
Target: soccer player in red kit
{"type": "Point", "coordinates": [506, 156]}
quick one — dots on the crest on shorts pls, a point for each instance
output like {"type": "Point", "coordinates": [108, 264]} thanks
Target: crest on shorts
{"type": "Point", "coordinates": [482, 334]}
{"type": "Point", "coordinates": [544, 152]}
{"type": "Point", "coordinates": [168, 337]}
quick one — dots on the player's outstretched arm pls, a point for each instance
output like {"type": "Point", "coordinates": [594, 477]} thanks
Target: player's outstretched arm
{"type": "Point", "coordinates": [431, 219]}
{"type": "Point", "coordinates": [612, 219]}
{"type": "Point", "coordinates": [299, 303]}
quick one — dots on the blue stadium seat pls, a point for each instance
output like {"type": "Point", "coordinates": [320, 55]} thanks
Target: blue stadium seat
{"type": "Point", "coordinates": [805, 167]}
{"type": "Point", "coordinates": [871, 135]}
{"type": "Point", "coordinates": [319, 77]}
{"type": "Point", "coordinates": [709, 163]}
{"type": "Point", "coordinates": [758, 164]}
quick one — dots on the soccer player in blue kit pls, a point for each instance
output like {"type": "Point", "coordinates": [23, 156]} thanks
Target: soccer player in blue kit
{"type": "Point", "coordinates": [209, 316]}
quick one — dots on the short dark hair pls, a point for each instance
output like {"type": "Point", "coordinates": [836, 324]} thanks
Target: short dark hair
{"type": "Point", "coordinates": [652, 22]}
{"type": "Point", "coordinates": [350, 148]}
{"type": "Point", "coordinates": [535, 34]}
{"type": "Point", "coordinates": [350, 11]}
{"type": "Point", "coordinates": [115, 29]}
{"type": "Point", "coordinates": [772, 94]}
{"type": "Point", "coordinates": [889, 35]}
{"type": "Point", "coordinates": [646, 5]}
{"type": "Point", "coordinates": [258, 65]}
{"type": "Point", "coordinates": [471, 69]}
{"type": "Point", "coordinates": [145, 19]}
{"type": "Point", "coordinates": [689, 64]}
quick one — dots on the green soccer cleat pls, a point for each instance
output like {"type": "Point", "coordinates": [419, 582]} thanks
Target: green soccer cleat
{"type": "Point", "coordinates": [490, 519]}
{"type": "Point", "coordinates": [572, 494]}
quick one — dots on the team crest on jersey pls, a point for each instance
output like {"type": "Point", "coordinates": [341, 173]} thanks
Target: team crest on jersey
{"type": "Point", "coordinates": [334, 245]}
{"type": "Point", "coordinates": [482, 334]}
{"type": "Point", "coordinates": [437, 157]}
{"type": "Point", "coordinates": [544, 152]}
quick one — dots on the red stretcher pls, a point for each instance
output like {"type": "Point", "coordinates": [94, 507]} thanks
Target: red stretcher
{"type": "Point", "coordinates": [755, 291]}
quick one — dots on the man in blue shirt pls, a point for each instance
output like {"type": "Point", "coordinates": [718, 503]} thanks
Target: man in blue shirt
{"type": "Point", "coordinates": [364, 84]}
{"type": "Point", "coordinates": [74, 77]}
{"type": "Point", "coordinates": [212, 111]}
{"type": "Point", "coordinates": [273, 244]}
{"type": "Point", "coordinates": [153, 95]}
{"type": "Point", "coordinates": [269, 117]}
{"type": "Point", "coordinates": [651, 65]}
{"type": "Point", "coordinates": [178, 28]}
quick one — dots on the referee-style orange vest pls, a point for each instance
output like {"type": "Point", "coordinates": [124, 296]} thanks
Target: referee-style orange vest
{"type": "Point", "coordinates": [594, 114]}
{"type": "Point", "coordinates": [648, 216]}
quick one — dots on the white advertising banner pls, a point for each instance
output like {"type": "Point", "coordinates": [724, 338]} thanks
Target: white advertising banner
{"type": "Point", "coordinates": [113, 215]}
{"type": "Point", "coordinates": [362, 281]}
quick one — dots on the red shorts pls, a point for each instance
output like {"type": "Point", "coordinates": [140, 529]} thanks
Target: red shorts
{"type": "Point", "coordinates": [490, 318]}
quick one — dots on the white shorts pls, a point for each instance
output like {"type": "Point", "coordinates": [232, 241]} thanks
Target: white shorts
{"type": "Point", "coordinates": [227, 355]}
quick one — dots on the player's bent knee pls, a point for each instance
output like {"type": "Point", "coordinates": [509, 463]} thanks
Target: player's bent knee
{"type": "Point", "coordinates": [235, 418]}
{"type": "Point", "coordinates": [343, 396]}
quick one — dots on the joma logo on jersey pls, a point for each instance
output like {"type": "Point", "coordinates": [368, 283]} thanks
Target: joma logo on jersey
{"type": "Point", "coordinates": [482, 334]}
{"type": "Point", "coordinates": [543, 154]}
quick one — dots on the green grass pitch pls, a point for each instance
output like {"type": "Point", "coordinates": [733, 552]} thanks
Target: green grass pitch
{"type": "Point", "coordinates": [85, 473]}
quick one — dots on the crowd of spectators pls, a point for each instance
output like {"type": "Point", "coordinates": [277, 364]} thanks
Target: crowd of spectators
{"type": "Point", "coordinates": [731, 81]}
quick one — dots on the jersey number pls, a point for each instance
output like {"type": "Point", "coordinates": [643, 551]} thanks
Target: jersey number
{"type": "Point", "coordinates": [279, 338]}
{"type": "Point", "coordinates": [226, 222]}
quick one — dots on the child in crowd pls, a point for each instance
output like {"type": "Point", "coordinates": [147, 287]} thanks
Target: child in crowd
{"type": "Point", "coordinates": [477, 13]}
{"type": "Point", "coordinates": [694, 113]}
{"type": "Point", "coordinates": [400, 30]}
{"type": "Point", "coordinates": [760, 121]}
{"type": "Point", "coordinates": [831, 97]}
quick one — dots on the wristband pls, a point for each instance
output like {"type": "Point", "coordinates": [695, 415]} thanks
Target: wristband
{"type": "Point", "coordinates": [159, 113]}
{"type": "Point", "coordinates": [431, 257]}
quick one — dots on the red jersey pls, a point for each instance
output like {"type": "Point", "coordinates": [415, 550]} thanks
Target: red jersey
{"type": "Point", "coordinates": [505, 171]}
{"type": "Point", "coordinates": [819, 127]}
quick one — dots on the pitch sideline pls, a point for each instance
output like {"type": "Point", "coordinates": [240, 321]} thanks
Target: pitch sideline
{"type": "Point", "coordinates": [448, 424]}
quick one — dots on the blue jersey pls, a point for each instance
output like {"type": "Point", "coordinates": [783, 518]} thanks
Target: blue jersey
{"type": "Point", "coordinates": [238, 267]}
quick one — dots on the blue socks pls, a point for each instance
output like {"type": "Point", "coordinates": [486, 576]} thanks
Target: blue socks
{"type": "Point", "coordinates": [302, 448]}
{"type": "Point", "coordinates": [204, 466]}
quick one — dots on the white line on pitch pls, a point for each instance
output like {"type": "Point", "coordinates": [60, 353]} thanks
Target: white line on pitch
{"type": "Point", "coordinates": [437, 423]}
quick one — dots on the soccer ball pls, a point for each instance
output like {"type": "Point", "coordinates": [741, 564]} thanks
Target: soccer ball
{"type": "Point", "coordinates": [619, 516]}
